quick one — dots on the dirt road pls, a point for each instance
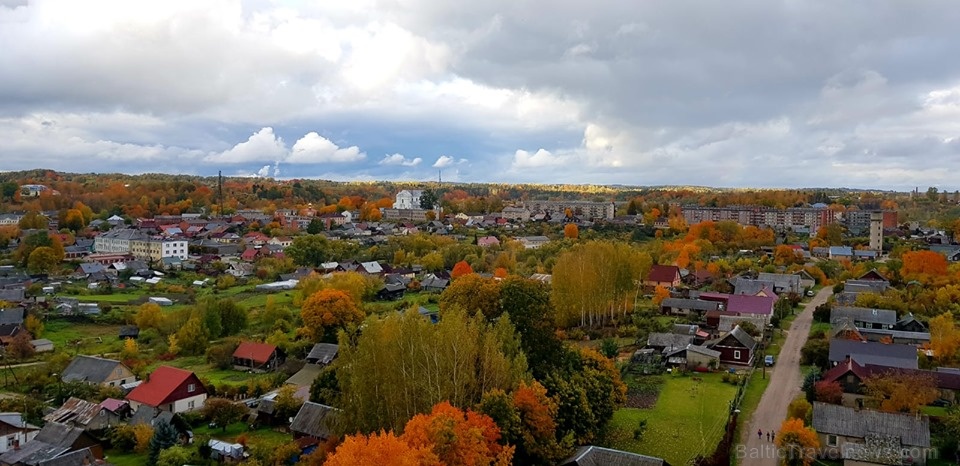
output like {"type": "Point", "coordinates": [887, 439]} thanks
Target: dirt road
{"type": "Point", "coordinates": [785, 381]}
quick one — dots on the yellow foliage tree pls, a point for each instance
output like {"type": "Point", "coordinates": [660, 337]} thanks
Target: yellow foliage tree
{"type": "Point", "coordinates": [944, 338]}
{"type": "Point", "coordinates": [659, 294]}
{"type": "Point", "coordinates": [571, 231]}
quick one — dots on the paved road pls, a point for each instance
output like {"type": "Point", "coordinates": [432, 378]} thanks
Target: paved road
{"type": "Point", "coordinates": [785, 381]}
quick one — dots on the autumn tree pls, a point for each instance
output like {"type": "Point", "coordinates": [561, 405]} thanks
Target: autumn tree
{"type": "Point", "coordinates": [595, 282]}
{"type": "Point", "coordinates": [327, 311]}
{"type": "Point", "coordinates": [20, 347]}
{"type": "Point", "coordinates": [458, 437]}
{"type": "Point", "coordinates": [944, 338]}
{"type": "Point", "coordinates": [309, 250]}
{"type": "Point", "coordinates": [828, 392]}
{"type": "Point", "coordinates": [571, 231]}
{"type": "Point", "coordinates": [659, 294]}
{"type": "Point", "coordinates": [797, 442]}
{"type": "Point", "coordinates": [472, 293]}
{"type": "Point", "coordinates": [901, 393]}
{"type": "Point", "coordinates": [831, 234]}
{"type": "Point", "coordinates": [381, 448]}
{"type": "Point", "coordinates": [786, 255]}
{"type": "Point", "coordinates": [149, 315]}
{"type": "Point", "coordinates": [527, 303]}
{"type": "Point", "coordinates": [223, 412]}
{"type": "Point", "coordinates": [460, 269]}
{"type": "Point", "coordinates": [455, 360]}
{"type": "Point", "coordinates": [73, 220]}
{"type": "Point", "coordinates": [43, 260]}
{"type": "Point", "coordinates": [800, 408]}
{"type": "Point", "coordinates": [33, 325]}
{"type": "Point", "coordinates": [286, 404]}
{"type": "Point", "coordinates": [192, 338]}
{"type": "Point", "coordinates": [922, 264]}
{"type": "Point", "coordinates": [537, 441]}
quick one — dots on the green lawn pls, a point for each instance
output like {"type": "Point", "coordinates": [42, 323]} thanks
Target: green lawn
{"type": "Point", "coordinates": [687, 420]}
{"type": "Point", "coordinates": [751, 399]}
{"type": "Point", "coordinates": [934, 411]}
{"type": "Point", "coordinates": [118, 458]}
{"type": "Point", "coordinates": [64, 335]}
{"type": "Point", "coordinates": [284, 298]}
{"type": "Point", "coordinates": [115, 298]}
{"type": "Point", "coordinates": [199, 365]}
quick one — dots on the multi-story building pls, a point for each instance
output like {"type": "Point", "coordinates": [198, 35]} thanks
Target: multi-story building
{"type": "Point", "coordinates": [417, 215]}
{"type": "Point", "coordinates": [139, 244]}
{"type": "Point", "coordinates": [779, 219]}
{"type": "Point", "coordinates": [591, 210]}
{"type": "Point", "coordinates": [517, 214]}
{"type": "Point", "coordinates": [858, 221]}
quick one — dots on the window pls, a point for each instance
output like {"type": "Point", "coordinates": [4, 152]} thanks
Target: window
{"type": "Point", "coordinates": [831, 440]}
{"type": "Point", "coordinates": [12, 441]}
{"type": "Point", "coordinates": [191, 388]}
{"type": "Point", "coordinates": [736, 354]}
{"type": "Point", "coordinates": [191, 404]}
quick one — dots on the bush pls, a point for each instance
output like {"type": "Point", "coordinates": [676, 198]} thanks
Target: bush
{"type": "Point", "coordinates": [816, 352]}
{"type": "Point", "coordinates": [822, 313]}
{"type": "Point", "coordinates": [122, 438]}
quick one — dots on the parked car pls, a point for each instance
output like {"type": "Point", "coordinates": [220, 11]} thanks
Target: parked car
{"type": "Point", "coordinates": [768, 360]}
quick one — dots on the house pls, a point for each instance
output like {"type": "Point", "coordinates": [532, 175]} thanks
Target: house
{"type": "Point", "coordinates": [850, 374]}
{"type": "Point", "coordinates": [313, 420]}
{"type": "Point", "coordinates": [865, 286]}
{"type": "Point", "coordinates": [693, 357]}
{"type": "Point", "coordinates": [53, 441]}
{"type": "Point", "coordinates": [871, 437]}
{"type": "Point", "coordinates": [874, 275]}
{"type": "Point", "coordinates": [533, 242]}
{"type": "Point", "coordinates": [590, 455]}
{"type": "Point", "coordinates": [408, 199]}
{"type": "Point", "coordinates": [806, 280]}
{"type": "Point", "coordinates": [15, 431]}
{"type": "Point", "coordinates": [745, 305]}
{"type": "Point", "coordinates": [42, 345]}
{"type": "Point", "coordinates": [267, 409]}
{"type": "Point", "coordinates": [258, 357]}
{"type": "Point", "coordinates": [840, 252]}
{"type": "Point", "coordinates": [129, 331]}
{"type": "Point", "coordinates": [685, 307]}
{"type": "Point", "coordinates": [90, 416]}
{"type": "Point", "coordinates": [434, 284]}
{"type": "Point", "coordinates": [909, 323]}
{"type": "Point", "coordinates": [169, 389]}
{"type": "Point", "coordinates": [736, 347]}
{"type": "Point", "coordinates": [12, 315]}
{"type": "Point", "coordinates": [391, 292]}
{"type": "Point", "coordinates": [487, 241]}
{"type": "Point", "coordinates": [667, 276]}
{"type": "Point", "coordinates": [726, 323]}
{"type": "Point", "coordinates": [746, 286]}
{"type": "Point", "coordinates": [97, 371]}
{"type": "Point", "coordinates": [371, 268]}
{"type": "Point", "coordinates": [868, 352]}
{"type": "Point", "coordinates": [668, 342]}
{"type": "Point", "coordinates": [783, 283]}
{"type": "Point", "coordinates": [864, 317]}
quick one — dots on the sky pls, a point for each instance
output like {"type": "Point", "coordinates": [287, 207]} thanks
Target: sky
{"type": "Point", "coordinates": [765, 93]}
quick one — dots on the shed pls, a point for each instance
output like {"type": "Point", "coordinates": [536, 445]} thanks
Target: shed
{"type": "Point", "coordinates": [161, 301]}
{"type": "Point", "coordinates": [42, 345]}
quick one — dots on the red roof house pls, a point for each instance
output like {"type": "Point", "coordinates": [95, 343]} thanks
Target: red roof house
{"type": "Point", "coordinates": [667, 276]}
{"type": "Point", "coordinates": [169, 389]}
{"type": "Point", "coordinates": [258, 357]}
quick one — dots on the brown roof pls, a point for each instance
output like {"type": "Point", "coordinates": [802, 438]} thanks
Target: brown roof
{"type": "Point", "coordinates": [257, 352]}
{"type": "Point", "coordinates": [664, 273]}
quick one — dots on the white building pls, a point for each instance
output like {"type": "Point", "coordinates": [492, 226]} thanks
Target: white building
{"type": "Point", "coordinates": [138, 243]}
{"type": "Point", "coordinates": [408, 199]}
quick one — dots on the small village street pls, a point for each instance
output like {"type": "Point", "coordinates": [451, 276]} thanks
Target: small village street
{"type": "Point", "coordinates": [785, 381]}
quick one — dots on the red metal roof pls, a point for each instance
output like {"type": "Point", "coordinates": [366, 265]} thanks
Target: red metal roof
{"type": "Point", "coordinates": [163, 381]}
{"type": "Point", "coordinates": [746, 304]}
{"type": "Point", "coordinates": [664, 273]}
{"type": "Point", "coordinates": [258, 352]}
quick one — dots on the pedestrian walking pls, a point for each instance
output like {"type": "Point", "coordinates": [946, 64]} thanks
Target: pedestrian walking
{"type": "Point", "coordinates": [768, 436]}
{"type": "Point", "coordinates": [759, 434]}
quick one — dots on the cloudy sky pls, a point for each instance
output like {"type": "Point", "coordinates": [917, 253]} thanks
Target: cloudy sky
{"type": "Point", "coordinates": [761, 93]}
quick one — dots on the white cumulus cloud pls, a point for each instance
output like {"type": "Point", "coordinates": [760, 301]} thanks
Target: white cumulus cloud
{"type": "Point", "coordinates": [314, 148]}
{"type": "Point", "coordinates": [400, 159]}
{"type": "Point", "coordinates": [262, 145]}
{"type": "Point", "coordinates": [443, 162]}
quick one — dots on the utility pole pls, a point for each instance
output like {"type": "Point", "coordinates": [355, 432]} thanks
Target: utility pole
{"type": "Point", "coordinates": [220, 192]}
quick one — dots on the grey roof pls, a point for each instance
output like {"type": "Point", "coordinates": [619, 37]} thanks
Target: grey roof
{"type": "Point", "coordinates": [685, 329]}
{"type": "Point", "coordinates": [305, 376]}
{"type": "Point", "coordinates": [869, 352]}
{"type": "Point", "coordinates": [781, 280]}
{"type": "Point", "coordinates": [669, 341]}
{"type": "Point", "coordinates": [741, 336]}
{"type": "Point", "coordinates": [73, 458]}
{"type": "Point", "coordinates": [691, 304]}
{"type": "Point", "coordinates": [703, 350]}
{"type": "Point", "coordinates": [840, 420]}
{"type": "Point", "coordinates": [598, 456]}
{"type": "Point", "coordinates": [89, 369]}
{"type": "Point", "coordinates": [13, 315]}
{"type": "Point", "coordinates": [52, 441]}
{"type": "Point", "coordinates": [12, 295]}
{"type": "Point", "coordinates": [863, 314]}
{"type": "Point", "coordinates": [865, 286]}
{"type": "Point", "coordinates": [74, 411]}
{"type": "Point", "coordinates": [91, 268]}
{"type": "Point", "coordinates": [896, 334]}
{"type": "Point", "coordinates": [752, 287]}
{"type": "Point", "coordinates": [322, 353]}
{"type": "Point", "coordinates": [150, 416]}
{"type": "Point", "coordinates": [313, 419]}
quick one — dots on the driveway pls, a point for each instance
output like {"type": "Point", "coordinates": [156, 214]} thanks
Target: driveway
{"type": "Point", "coordinates": [785, 381]}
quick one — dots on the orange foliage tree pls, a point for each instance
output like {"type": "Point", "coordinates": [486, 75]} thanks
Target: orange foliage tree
{"type": "Point", "coordinates": [571, 231]}
{"type": "Point", "coordinates": [380, 449]}
{"type": "Point", "coordinates": [944, 337]}
{"type": "Point", "coordinates": [798, 443]}
{"type": "Point", "coordinates": [457, 437]}
{"type": "Point", "coordinates": [460, 269]}
{"type": "Point", "coordinates": [659, 294]}
{"type": "Point", "coordinates": [920, 263]}
{"type": "Point", "coordinates": [900, 393]}
{"type": "Point", "coordinates": [328, 310]}
{"type": "Point", "coordinates": [828, 392]}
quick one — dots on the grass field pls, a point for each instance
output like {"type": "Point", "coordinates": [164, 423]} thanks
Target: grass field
{"type": "Point", "coordinates": [199, 365]}
{"type": "Point", "coordinates": [93, 338]}
{"type": "Point", "coordinates": [687, 420]}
